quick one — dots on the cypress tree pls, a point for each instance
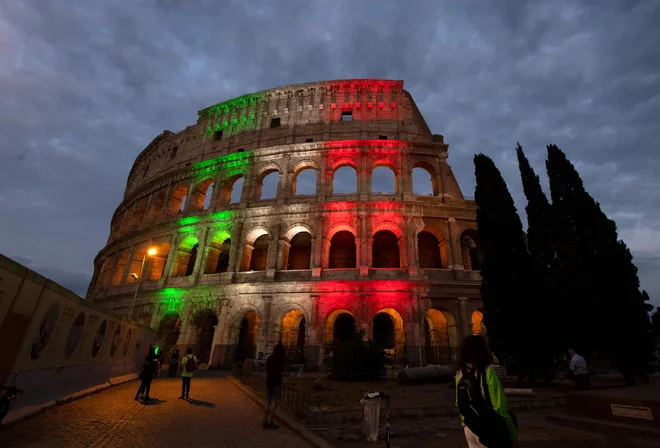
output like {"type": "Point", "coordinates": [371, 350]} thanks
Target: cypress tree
{"type": "Point", "coordinates": [505, 270]}
{"type": "Point", "coordinates": [608, 313]}
{"type": "Point", "coordinates": [541, 245]}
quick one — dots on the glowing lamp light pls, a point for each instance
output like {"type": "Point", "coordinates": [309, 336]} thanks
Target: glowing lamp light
{"type": "Point", "coordinates": [151, 252]}
{"type": "Point", "coordinates": [357, 105]}
{"type": "Point", "coordinates": [393, 106]}
{"type": "Point", "coordinates": [333, 106]}
{"type": "Point", "coordinates": [381, 105]}
{"type": "Point", "coordinates": [370, 104]}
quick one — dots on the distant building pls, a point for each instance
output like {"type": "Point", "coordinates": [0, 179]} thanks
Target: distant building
{"type": "Point", "coordinates": [235, 271]}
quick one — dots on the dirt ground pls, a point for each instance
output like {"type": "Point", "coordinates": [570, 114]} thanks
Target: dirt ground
{"type": "Point", "coordinates": [346, 396]}
{"type": "Point", "coordinates": [535, 432]}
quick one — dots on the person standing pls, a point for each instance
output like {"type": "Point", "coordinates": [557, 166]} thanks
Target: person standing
{"type": "Point", "coordinates": [274, 372]}
{"type": "Point", "coordinates": [174, 364]}
{"type": "Point", "coordinates": [189, 364]}
{"type": "Point", "coordinates": [578, 367]}
{"type": "Point", "coordinates": [480, 398]}
{"type": "Point", "coordinates": [147, 374]}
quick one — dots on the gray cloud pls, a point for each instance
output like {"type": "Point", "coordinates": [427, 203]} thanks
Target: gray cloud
{"type": "Point", "coordinates": [86, 87]}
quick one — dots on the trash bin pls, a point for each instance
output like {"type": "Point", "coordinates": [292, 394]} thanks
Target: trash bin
{"type": "Point", "coordinates": [371, 418]}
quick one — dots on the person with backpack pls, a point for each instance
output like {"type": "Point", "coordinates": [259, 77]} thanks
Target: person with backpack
{"type": "Point", "coordinates": [147, 374]}
{"type": "Point", "coordinates": [174, 363]}
{"type": "Point", "coordinates": [480, 398]}
{"type": "Point", "coordinates": [189, 364]}
{"type": "Point", "coordinates": [274, 371]}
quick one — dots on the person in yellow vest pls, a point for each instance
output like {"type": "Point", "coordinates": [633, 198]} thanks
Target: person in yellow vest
{"type": "Point", "coordinates": [189, 365]}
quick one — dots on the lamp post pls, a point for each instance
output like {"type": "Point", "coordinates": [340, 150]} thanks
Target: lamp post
{"type": "Point", "coordinates": [151, 252]}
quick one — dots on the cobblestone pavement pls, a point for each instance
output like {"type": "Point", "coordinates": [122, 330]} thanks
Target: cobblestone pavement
{"type": "Point", "coordinates": [217, 414]}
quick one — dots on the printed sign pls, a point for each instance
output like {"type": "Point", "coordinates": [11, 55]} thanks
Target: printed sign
{"type": "Point", "coordinates": [641, 412]}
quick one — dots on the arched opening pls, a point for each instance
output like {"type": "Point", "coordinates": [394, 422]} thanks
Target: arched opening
{"type": "Point", "coordinates": [344, 180]}
{"type": "Point", "coordinates": [423, 182]}
{"type": "Point", "coordinates": [300, 251]}
{"type": "Point", "coordinates": [168, 333]}
{"type": "Point", "coordinates": [383, 180]}
{"type": "Point", "coordinates": [440, 336]}
{"type": "Point", "coordinates": [217, 258]}
{"type": "Point", "coordinates": [259, 255]}
{"type": "Point", "coordinates": [342, 250]}
{"type": "Point", "coordinates": [432, 249]}
{"type": "Point", "coordinates": [202, 194]}
{"type": "Point", "coordinates": [120, 267]}
{"type": "Point", "coordinates": [157, 262]}
{"type": "Point", "coordinates": [424, 179]}
{"type": "Point", "coordinates": [304, 182]}
{"type": "Point", "coordinates": [267, 185]}
{"type": "Point", "coordinates": [471, 250]}
{"type": "Point", "coordinates": [156, 206]}
{"type": "Point", "coordinates": [205, 323]}
{"type": "Point", "coordinates": [385, 250]}
{"type": "Point", "coordinates": [383, 331]}
{"type": "Point", "coordinates": [178, 200]}
{"type": "Point", "coordinates": [293, 334]}
{"type": "Point", "coordinates": [140, 210]}
{"type": "Point", "coordinates": [236, 191]}
{"type": "Point", "coordinates": [389, 334]}
{"type": "Point", "coordinates": [343, 328]}
{"type": "Point", "coordinates": [477, 322]}
{"type": "Point", "coordinates": [246, 345]}
{"type": "Point", "coordinates": [231, 190]}
{"type": "Point", "coordinates": [186, 255]}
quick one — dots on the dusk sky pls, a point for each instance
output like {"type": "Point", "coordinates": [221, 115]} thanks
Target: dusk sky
{"type": "Point", "coordinates": [85, 86]}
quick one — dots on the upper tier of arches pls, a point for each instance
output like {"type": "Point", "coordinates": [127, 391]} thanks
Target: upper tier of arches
{"type": "Point", "coordinates": [352, 171]}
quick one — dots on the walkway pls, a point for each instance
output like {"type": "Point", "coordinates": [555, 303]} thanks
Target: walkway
{"type": "Point", "coordinates": [216, 415]}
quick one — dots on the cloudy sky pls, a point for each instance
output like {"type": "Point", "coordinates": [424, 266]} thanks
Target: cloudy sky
{"type": "Point", "coordinates": [84, 88]}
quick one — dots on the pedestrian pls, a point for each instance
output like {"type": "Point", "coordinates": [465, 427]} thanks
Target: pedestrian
{"type": "Point", "coordinates": [174, 363]}
{"type": "Point", "coordinates": [147, 374]}
{"type": "Point", "coordinates": [480, 398]}
{"type": "Point", "coordinates": [274, 372]}
{"type": "Point", "coordinates": [189, 364]}
{"type": "Point", "coordinates": [579, 371]}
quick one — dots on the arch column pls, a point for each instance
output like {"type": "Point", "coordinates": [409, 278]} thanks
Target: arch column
{"type": "Point", "coordinates": [363, 254]}
{"type": "Point", "coordinates": [462, 315]}
{"type": "Point", "coordinates": [188, 332]}
{"type": "Point", "coordinates": [167, 272]}
{"type": "Point", "coordinates": [234, 250]}
{"type": "Point", "coordinates": [399, 184]}
{"type": "Point", "coordinates": [262, 343]}
{"type": "Point", "coordinates": [273, 246]}
{"type": "Point", "coordinates": [317, 247]}
{"type": "Point", "coordinates": [456, 255]}
{"type": "Point", "coordinates": [283, 254]}
{"type": "Point", "coordinates": [201, 253]}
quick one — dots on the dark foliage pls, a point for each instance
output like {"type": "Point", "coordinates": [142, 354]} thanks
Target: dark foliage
{"type": "Point", "coordinates": [508, 299]}
{"type": "Point", "coordinates": [355, 359]}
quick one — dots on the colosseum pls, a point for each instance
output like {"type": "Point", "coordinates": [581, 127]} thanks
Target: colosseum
{"type": "Point", "coordinates": [291, 215]}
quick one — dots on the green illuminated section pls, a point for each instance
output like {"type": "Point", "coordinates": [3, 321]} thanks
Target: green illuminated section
{"type": "Point", "coordinates": [208, 168]}
{"type": "Point", "coordinates": [188, 220]}
{"type": "Point", "coordinates": [188, 229]}
{"type": "Point", "coordinates": [171, 299]}
{"type": "Point", "coordinates": [224, 215]}
{"type": "Point", "coordinates": [236, 103]}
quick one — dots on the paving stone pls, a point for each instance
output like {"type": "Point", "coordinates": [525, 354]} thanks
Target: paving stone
{"type": "Point", "coordinates": [216, 415]}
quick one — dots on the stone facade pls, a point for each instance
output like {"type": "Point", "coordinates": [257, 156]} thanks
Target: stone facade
{"type": "Point", "coordinates": [233, 273]}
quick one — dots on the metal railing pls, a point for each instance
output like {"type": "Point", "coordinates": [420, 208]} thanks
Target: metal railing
{"type": "Point", "coordinates": [294, 400]}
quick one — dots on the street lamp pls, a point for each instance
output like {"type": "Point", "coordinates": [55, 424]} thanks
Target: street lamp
{"type": "Point", "coordinates": [151, 252]}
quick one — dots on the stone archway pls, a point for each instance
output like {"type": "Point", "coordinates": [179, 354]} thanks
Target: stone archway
{"type": "Point", "coordinates": [389, 334]}
{"type": "Point", "coordinates": [477, 322]}
{"type": "Point", "coordinates": [293, 334]}
{"type": "Point", "coordinates": [168, 333]}
{"type": "Point", "coordinates": [441, 338]}
{"type": "Point", "coordinates": [246, 337]}
{"type": "Point", "coordinates": [339, 325]}
{"type": "Point", "coordinates": [205, 323]}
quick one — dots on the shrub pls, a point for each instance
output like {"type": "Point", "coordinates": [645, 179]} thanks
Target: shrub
{"type": "Point", "coordinates": [355, 359]}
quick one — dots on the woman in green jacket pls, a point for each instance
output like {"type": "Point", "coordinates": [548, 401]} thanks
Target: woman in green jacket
{"type": "Point", "coordinates": [476, 357]}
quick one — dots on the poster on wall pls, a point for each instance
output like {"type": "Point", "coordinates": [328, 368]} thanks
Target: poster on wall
{"type": "Point", "coordinates": [98, 339]}
{"type": "Point", "coordinates": [115, 340]}
{"type": "Point", "coordinates": [45, 331]}
{"type": "Point", "coordinates": [74, 335]}
{"type": "Point", "coordinates": [128, 341]}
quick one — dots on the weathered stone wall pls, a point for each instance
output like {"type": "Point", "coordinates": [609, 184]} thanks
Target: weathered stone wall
{"type": "Point", "coordinates": [56, 344]}
{"type": "Point", "coordinates": [164, 208]}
